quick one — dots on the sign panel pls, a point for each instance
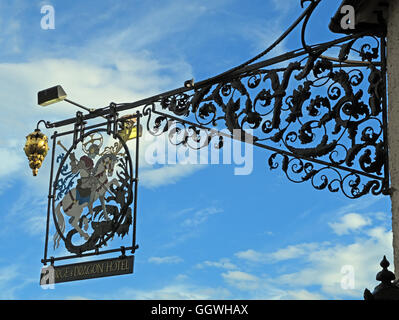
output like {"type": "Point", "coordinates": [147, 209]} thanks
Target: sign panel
{"type": "Point", "coordinates": [92, 199]}
{"type": "Point", "coordinates": [92, 193]}
{"type": "Point", "coordinates": [89, 270]}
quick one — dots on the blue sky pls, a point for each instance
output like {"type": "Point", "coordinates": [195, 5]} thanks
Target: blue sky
{"type": "Point", "coordinates": [204, 233]}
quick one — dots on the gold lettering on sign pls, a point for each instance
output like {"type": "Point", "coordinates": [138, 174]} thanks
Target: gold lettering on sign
{"type": "Point", "coordinates": [58, 274]}
{"type": "Point", "coordinates": [93, 269]}
{"type": "Point", "coordinates": [100, 267]}
{"type": "Point", "coordinates": [124, 265]}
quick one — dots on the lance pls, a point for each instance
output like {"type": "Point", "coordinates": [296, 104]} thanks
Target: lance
{"type": "Point", "coordinates": [61, 145]}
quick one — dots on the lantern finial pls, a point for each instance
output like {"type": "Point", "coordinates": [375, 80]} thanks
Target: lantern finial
{"type": "Point", "coordinates": [36, 148]}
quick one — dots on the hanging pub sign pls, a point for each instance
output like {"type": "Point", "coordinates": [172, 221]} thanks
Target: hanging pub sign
{"type": "Point", "coordinates": [92, 201]}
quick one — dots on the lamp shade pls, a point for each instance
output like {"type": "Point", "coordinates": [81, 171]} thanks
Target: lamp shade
{"type": "Point", "coordinates": [130, 131]}
{"type": "Point", "coordinates": [51, 95]}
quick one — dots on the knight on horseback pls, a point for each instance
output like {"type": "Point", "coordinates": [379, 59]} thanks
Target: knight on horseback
{"type": "Point", "coordinates": [92, 185]}
{"type": "Point", "coordinates": [87, 181]}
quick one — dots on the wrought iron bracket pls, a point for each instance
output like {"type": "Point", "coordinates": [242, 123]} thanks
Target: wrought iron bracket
{"type": "Point", "coordinates": [320, 109]}
{"type": "Point", "coordinates": [324, 117]}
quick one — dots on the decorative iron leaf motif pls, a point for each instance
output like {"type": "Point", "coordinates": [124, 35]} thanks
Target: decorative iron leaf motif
{"type": "Point", "coordinates": [366, 54]}
{"type": "Point", "coordinates": [345, 50]}
{"type": "Point", "coordinates": [316, 108]}
{"type": "Point", "coordinates": [206, 109]}
{"type": "Point", "coordinates": [321, 66]}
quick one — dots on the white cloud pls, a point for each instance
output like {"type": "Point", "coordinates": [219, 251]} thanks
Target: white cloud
{"type": "Point", "coordinates": [168, 174]}
{"type": "Point", "coordinates": [290, 252]}
{"type": "Point", "coordinates": [378, 233]}
{"type": "Point", "coordinates": [175, 292]}
{"type": "Point", "coordinates": [25, 214]}
{"type": "Point", "coordinates": [358, 204]}
{"type": "Point", "coordinates": [260, 287]}
{"type": "Point", "coordinates": [239, 276]}
{"type": "Point", "coordinates": [285, 5]}
{"type": "Point", "coordinates": [76, 298]}
{"type": "Point", "coordinates": [223, 263]}
{"type": "Point", "coordinates": [91, 83]}
{"type": "Point", "coordinates": [10, 24]}
{"type": "Point", "coordinates": [200, 216]}
{"type": "Point", "coordinates": [7, 276]}
{"type": "Point", "coordinates": [36, 225]}
{"type": "Point", "coordinates": [350, 222]}
{"type": "Point", "coordinates": [165, 260]}
{"type": "Point", "coordinates": [178, 288]}
{"type": "Point", "coordinates": [294, 251]}
{"type": "Point", "coordinates": [93, 75]}
{"type": "Point", "coordinates": [165, 26]}
{"type": "Point", "coordinates": [11, 160]}
{"type": "Point", "coordinates": [315, 274]}
{"type": "Point", "coordinates": [8, 273]}
{"type": "Point", "coordinates": [323, 265]}
{"type": "Point", "coordinates": [241, 280]}
{"type": "Point", "coordinates": [296, 295]}
{"type": "Point", "coordinates": [191, 223]}
{"type": "Point", "coordinates": [251, 255]}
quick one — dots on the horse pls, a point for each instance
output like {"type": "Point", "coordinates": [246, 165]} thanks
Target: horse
{"type": "Point", "coordinates": [73, 203]}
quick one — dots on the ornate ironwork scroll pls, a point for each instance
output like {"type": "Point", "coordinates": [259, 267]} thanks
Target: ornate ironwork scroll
{"type": "Point", "coordinates": [320, 109]}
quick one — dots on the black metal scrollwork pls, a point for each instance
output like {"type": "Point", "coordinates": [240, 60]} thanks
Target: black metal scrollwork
{"type": "Point", "coordinates": [323, 111]}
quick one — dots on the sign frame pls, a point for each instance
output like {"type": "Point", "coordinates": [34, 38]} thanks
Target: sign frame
{"type": "Point", "coordinates": [111, 127]}
{"type": "Point", "coordinates": [87, 270]}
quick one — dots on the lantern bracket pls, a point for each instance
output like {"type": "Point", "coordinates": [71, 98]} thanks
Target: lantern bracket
{"type": "Point", "coordinates": [79, 128]}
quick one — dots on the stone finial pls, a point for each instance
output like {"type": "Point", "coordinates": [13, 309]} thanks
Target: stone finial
{"type": "Point", "coordinates": [386, 290]}
{"type": "Point", "coordinates": [385, 276]}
